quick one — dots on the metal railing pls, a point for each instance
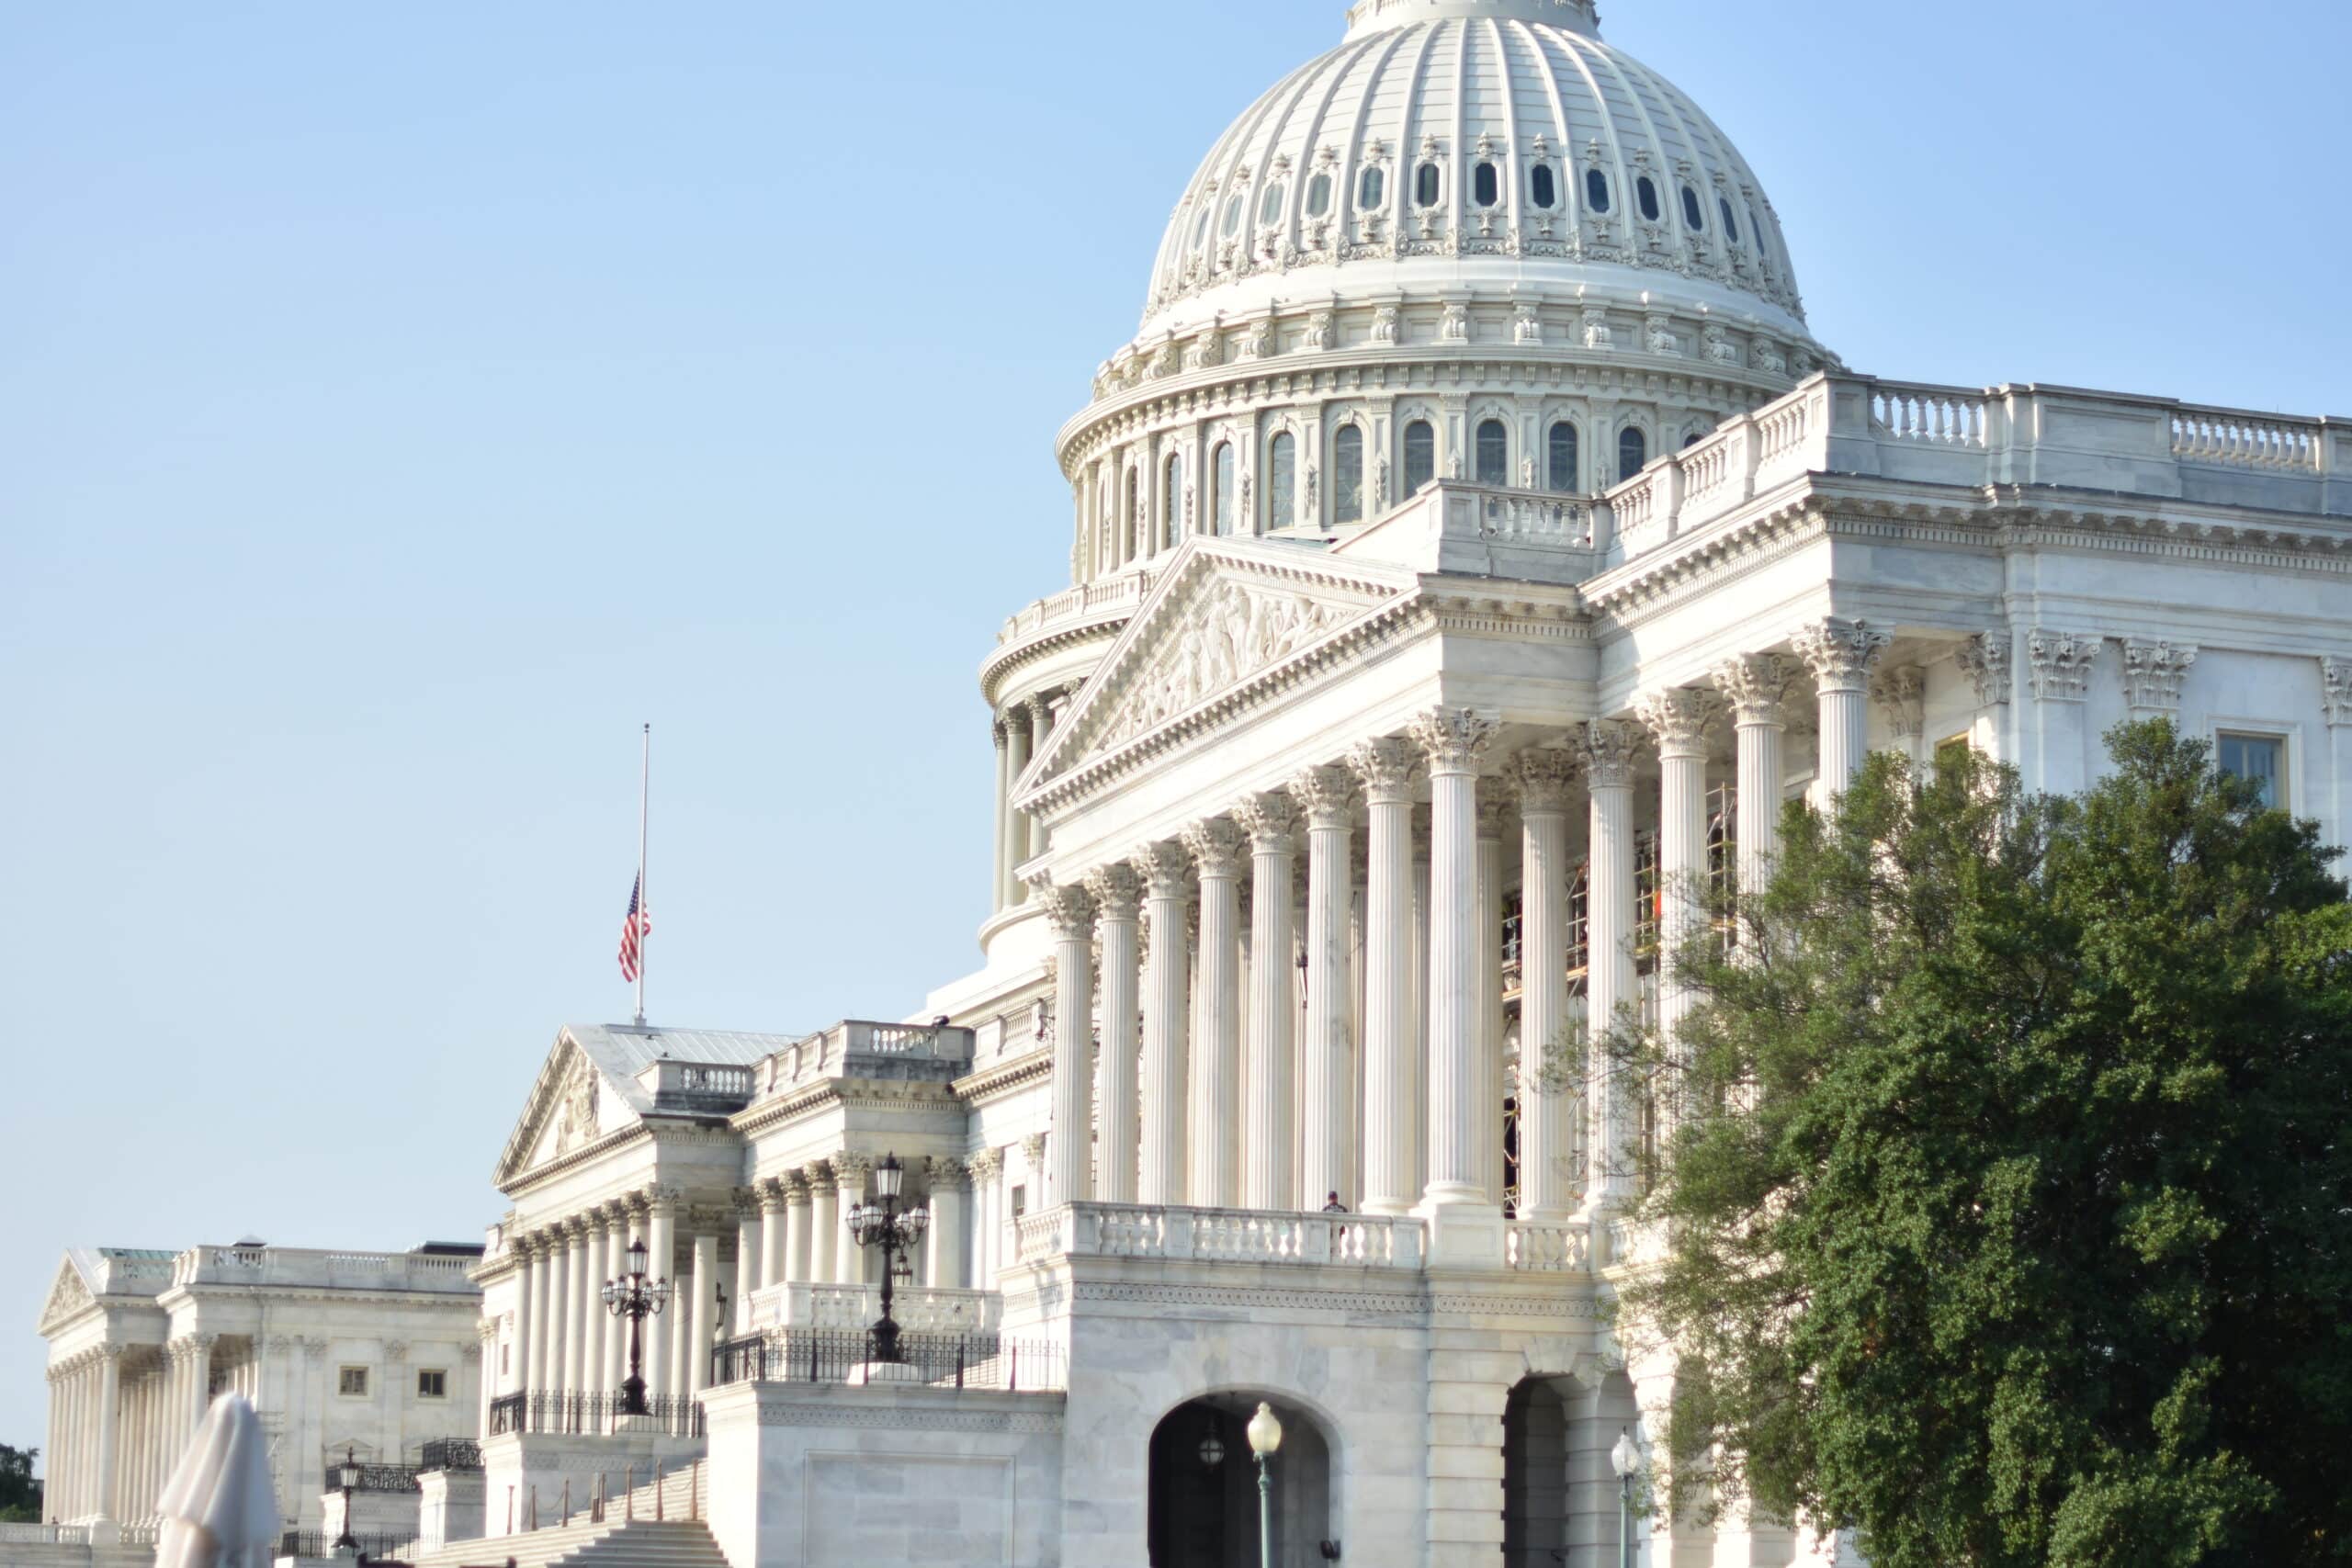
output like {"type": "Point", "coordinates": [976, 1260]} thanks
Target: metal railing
{"type": "Point", "coordinates": [450, 1454]}
{"type": "Point", "coordinates": [962, 1360]}
{"type": "Point", "coordinates": [558, 1411]}
{"type": "Point", "coordinates": [319, 1543]}
{"type": "Point", "coordinates": [375, 1478]}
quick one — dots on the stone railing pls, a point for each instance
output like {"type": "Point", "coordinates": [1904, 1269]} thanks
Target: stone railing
{"type": "Point", "coordinates": [1535, 1246]}
{"type": "Point", "coordinates": [1975, 438]}
{"type": "Point", "coordinates": [302, 1268]}
{"type": "Point", "coordinates": [716, 1087]}
{"type": "Point", "coordinates": [925, 1309]}
{"type": "Point", "coordinates": [26, 1534]}
{"type": "Point", "coordinates": [1483, 530]}
{"type": "Point", "coordinates": [869, 1048]}
{"type": "Point", "coordinates": [1220, 1235]}
{"type": "Point", "coordinates": [1074, 606]}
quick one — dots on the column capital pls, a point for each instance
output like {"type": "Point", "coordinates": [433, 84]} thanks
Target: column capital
{"type": "Point", "coordinates": [946, 1173]}
{"type": "Point", "coordinates": [1678, 716]}
{"type": "Point", "coordinates": [2336, 689]}
{"type": "Point", "coordinates": [1494, 815]}
{"type": "Point", "coordinates": [1903, 692]}
{"type": "Point", "coordinates": [986, 1165]}
{"type": "Point", "coordinates": [851, 1168]}
{"type": "Point", "coordinates": [1271, 819]}
{"type": "Point", "coordinates": [1839, 652]}
{"type": "Point", "coordinates": [1218, 847]}
{"type": "Point", "coordinates": [2153, 670]}
{"type": "Point", "coordinates": [1032, 1149]}
{"type": "Point", "coordinates": [1546, 779]}
{"type": "Point", "coordinates": [1984, 659]}
{"type": "Point", "coordinates": [1609, 748]}
{"type": "Point", "coordinates": [1116, 891]}
{"type": "Point", "coordinates": [1164, 867]}
{"type": "Point", "coordinates": [2061, 664]}
{"type": "Point", "coordinates": [1387, 767]}
{"type": "Point", "coordinates": [1067, 911]}
{"type": "Point", "coordinates": [1454, 740]}
{"type": "Point", "coordinates": [793, 1186]}
{"type": "Point", "coordinates": [1001, 731]}
{"type": "Point", "coordinates": [1328, 795]}
{"type": "Point", "coordinates": [817, 1174]}
{"type": "Point", "coordinates": [1754, 684]}
{"type": "Point", "coordinates": [747, 1201]}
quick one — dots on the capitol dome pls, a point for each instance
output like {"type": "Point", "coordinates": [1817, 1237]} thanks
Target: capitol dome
{"type": "Point", "coordinates": [1470, 143]}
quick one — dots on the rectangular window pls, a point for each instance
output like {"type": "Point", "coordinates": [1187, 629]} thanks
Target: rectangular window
{"type": "Point", "coordinates": [1019, 1201]}
{"type": "Point", "coordinates": [2261, 758]}
{"type": "Point", "coordinates": [352, 1383]}
{"type": "Point", "coordinates": [1953, 752]}
{"type": "Point", "coordinates": [432, 1382]}
{"type": "Point", "coordinates": [506, 1357]}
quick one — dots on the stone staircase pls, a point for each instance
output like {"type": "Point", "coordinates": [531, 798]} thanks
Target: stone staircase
{"type": "Point", "coordinates": [659, 1525]}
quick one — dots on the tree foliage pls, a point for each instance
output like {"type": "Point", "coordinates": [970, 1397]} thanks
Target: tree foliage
{"type": "Point", "coordinates": [19, 1493]}
{"type": "Point", "coordinates": [2011, 1193]}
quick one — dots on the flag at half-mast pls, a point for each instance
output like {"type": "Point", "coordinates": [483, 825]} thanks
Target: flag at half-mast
{"type": "Point", "coordinates": [635, 928]}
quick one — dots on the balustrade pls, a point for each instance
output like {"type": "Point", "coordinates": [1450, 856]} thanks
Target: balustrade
{"type": "Point", "coordinates": [1936, 415]}
{"type": "Point", "coordinates": [1220, 1235]}
{"type": "Point", "coordinates": [1532, 1248]}
{"type": "Point", "coordinates": [2247, 441]}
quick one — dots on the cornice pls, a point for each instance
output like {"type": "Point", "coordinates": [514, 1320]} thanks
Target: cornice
{"type": "Point", "coordinates": [995, 1082]}
{"type": "Point", "coordinates": [1009, 657]}
{"type": "Point", "coordinates": [586, 1154]}
{"type": "Point", "coordinates": [770, 1114]}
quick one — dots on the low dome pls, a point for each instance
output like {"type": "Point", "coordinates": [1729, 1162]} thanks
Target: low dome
{"type": "Point", "coordinates": [1454, 142]}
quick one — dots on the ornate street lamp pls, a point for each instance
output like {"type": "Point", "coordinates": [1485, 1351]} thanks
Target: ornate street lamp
{"type": "Point", "coordinates": [636, 1297]}
{"type": "Point", "coordinates": [347, 1474]}
{"type": "Point", "coordinates": [883, 1225]}
{"type": "Point", "coordinates": [1626, 1460]}
{"type": "Point", "coordinates": [1265, 1437]}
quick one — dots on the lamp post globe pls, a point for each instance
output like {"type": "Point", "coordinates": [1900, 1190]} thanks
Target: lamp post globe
{"type": "Point", "coordinates": [635, 1297]}
{"type": "Point", "coordinates": [895, 1231]}
{"type": "Point", "coordinates": [1626, 1460]}
{"type": "Point", "coordinates": [1266, 1431]}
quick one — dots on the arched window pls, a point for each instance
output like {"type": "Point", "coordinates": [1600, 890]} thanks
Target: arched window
{"type": "Point", "coordinates": [1694, 218]}
{"type": "Point", "coordinates": [1347, 474]}
{"type": "Point", "coordinates": [1561, 457]}
{"type": "Point", "coordinates": [1485, 185]}
{"type": "Point", "coordinates": [1646, 198]}
{"type": "Point", "coordinates": [1544, 187]}
{"type": "Point", "coordinates": [1633, 452]}
{"type": "Point", "coordinates": [1201, 229]}
{"type": "Point", "coordinates": [1171, 500]}
{"type": "Point", "coordinates": [1694, 439]}
{"type": "Point", "coordinates": [1494, 453]}
{"type": "Point", "coordinates": [1420, 456]}
{"type": "Point", "coordinates": [1282, 481]}
{"type": "Point", "coordinates": [1318, 196]}
{"type": "Point", "coordinates": [1425, 186]}
{"type": "Point", "coordinates": [1131, 533]}
{"type": "Point", "coordinates": [1225, 487]}
{"type": "Point", "coordinates": [1270, 210]}
{"type": "Point", "coordinates": [1233, 216]}
{"type": "Point", "coordinates": [1596, 191]}
{"type": "Point", "coordinates": [1372, 190]}
{"type": "Point", "coordinates": [1731, 224]}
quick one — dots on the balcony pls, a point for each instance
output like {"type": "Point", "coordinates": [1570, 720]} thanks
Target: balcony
{"type": "Point", "coordinates": [1385, 1242]}
{"type": "Point", "coordinates": [862, 1049]}
{"type": "Point", "coordinates": [290, 1268]}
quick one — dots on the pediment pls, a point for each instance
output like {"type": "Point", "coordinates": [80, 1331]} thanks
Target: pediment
{"type": "Point", "coordinates": [68, 1294]}
{"type": "Point", "coordinates": [1227, 616]}
{"type": "Point", "coordinates": [569, 1107]}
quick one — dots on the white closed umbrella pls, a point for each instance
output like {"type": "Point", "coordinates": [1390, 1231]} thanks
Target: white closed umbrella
{"type": "Point", "coordinates": [220, 1510]}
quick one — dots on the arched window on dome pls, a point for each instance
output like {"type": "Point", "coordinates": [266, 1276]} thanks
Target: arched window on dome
{"type": "Point", "coordinates": [1270, 208]}
{"type": "Point", "coordinates": [1171, 501]}
{"type": "Point", "coordinates": [1318, 196]}
{"type": "Point", "coordinates": [1731, 224]}
{"type": "Point", "coordinates": [1420, 456]}
{"type": "Point", "coordinates": [1347, 474]}
{"type": "Point", "coordinates": [1201, 229]}
{"type": "Point", "coordinates": [1596, 192]}
{"type": "Point", "coordinates": [1494, 453]}
{"type": "Point", "coordinates": [1560, 454]}
{"type": "Point", "coordinates": [1372, 189]}
{"type": "Point", "coordinates": [1132, 529]}
{"type": "Point", "coordinates": [1225, 489]}
{"type": "Point", "coordinates": [1425, 186]}
{"type": "Point", "coordinates": [1693, 217]}
{"type": "Point", "coordinates": [1485, 185]}
{"type": "Point", "coordinates": [1282, 481]}
{"type": "Point", "coordinates": [1544, 187]}
{"type": "Point", "coordinates": [1233, 216]}
{"type": "Point", "coordinates": [1646, 198]}
{"type": "Point", "coordinates": [1633, 452]}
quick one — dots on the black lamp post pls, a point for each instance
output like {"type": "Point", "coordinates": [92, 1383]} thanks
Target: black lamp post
{"type": "Point", "coordinates": [347, 1472]}
{"type": "Point", "coordinates": [884, 1226]}
{"type": "Point", "coordinates": [636, 1297]}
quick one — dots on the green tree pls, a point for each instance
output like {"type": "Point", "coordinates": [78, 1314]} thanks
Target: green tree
{"type": "Point", "coordinates": [2012, 1188]}
{"type": "Point", "coordinates": [19, 1493]}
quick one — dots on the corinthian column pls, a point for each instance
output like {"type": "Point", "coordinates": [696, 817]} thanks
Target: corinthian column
{"type": "Point", "coordinates": [1216, 849]}
{"type": "Point", "coordinates": [1000, 874]}
{"type": "Point", "coordinates": [1547, 1106]}
{"type": "Point", "coordinates": [1116, 891]}
{"type": "Point", "coordinates": [1386, 768]}
{"type": "Point", "coordinates": [1754, 684]}
{"type": "Point", "coordinates": [1328, 795]}
{"type": "Point", "coordinates": [109, 1455]}
{"type": "Point", "coordinates": [1016, 821]}
{"type": "Point", "coordinates": [1269, 1114]}
{"type": "Point", "coordinates": [1487, 1032]}
{"type": "Point", "coordinates": [1455, 741]}
{"type": "Point", "coordinates": [1166, 1032]}
{"type": "Point", "coordinates": [1069, 1167]}
{"type": "Point", "coordinates": [1840, 653]}
{"type": "Point", "coordinates": [849, 1171]}
{"type": "Point", "coordinates": [1608, 928]}
{"type": "Point", "coordinates": [1678, 717]}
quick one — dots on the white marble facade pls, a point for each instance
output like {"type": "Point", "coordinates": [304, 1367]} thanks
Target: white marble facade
{"type": "Point", "coordinates": [1472, 549]}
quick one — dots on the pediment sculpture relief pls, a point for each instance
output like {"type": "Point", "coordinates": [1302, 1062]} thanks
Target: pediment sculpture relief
{"type": "Point", "coordinates": [1228, 637]}
{"type": "Point", "coordinates": [68, 1296]}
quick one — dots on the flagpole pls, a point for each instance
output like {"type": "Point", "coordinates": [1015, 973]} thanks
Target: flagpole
{"type": "Point", "coordinates": [644, 786]}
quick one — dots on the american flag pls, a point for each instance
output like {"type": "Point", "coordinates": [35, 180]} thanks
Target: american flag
{"type": "Point", "coordinates": [636, 925]}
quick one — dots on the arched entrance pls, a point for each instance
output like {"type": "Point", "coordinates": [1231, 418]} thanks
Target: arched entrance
{"type": "Point", "coordinates": [1203, 1502]}
{"type": "Point", "coordinates": [1559, 1490]}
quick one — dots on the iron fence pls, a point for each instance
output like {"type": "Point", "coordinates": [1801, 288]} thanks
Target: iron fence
{"type": "Point", "coordinates": [375, 1478]}
{"type": "Point", "coordinates": [590, 1415]}
{"type": "Point", "coordinates": [943, 1360]}
{"type": "Point", "coordinates": [450, 1454]}
{"type": "Point", "coordinates": [318, 1543]}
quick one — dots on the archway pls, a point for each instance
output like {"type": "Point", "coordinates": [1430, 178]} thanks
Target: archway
{"type": "Point", "coordinates": [1204, 1497]}
{"type": "Point", "coordinates": [1559, 1489]}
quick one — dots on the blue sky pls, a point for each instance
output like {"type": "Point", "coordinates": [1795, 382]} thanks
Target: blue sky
{"type": "Point", "coordinates": [404, 403]}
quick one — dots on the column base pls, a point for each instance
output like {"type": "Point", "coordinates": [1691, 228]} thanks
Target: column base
{"type": "Point", "coordinates": [1463, 1237]}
